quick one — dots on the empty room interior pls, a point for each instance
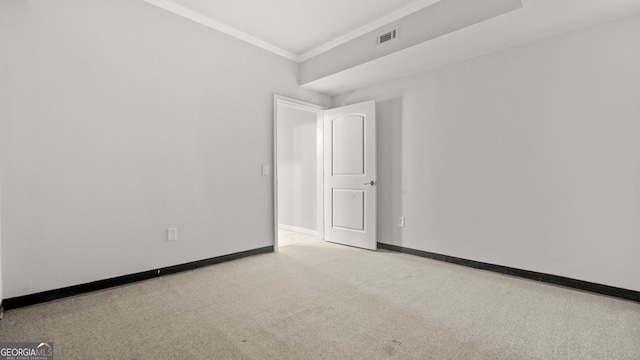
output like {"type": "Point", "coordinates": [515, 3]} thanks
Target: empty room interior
{"type": "Point", "coordinates": [335, 179]}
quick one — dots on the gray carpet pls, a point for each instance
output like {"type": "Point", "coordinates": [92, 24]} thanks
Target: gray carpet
{"type": "Point", "coordinates": [316, 300]}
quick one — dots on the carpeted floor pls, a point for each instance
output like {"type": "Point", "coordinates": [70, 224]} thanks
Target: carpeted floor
{"type": "Point", "coordinates": [316, 300]}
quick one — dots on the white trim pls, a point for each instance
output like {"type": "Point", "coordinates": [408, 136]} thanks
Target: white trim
{"type": "Point", "coordinates": [200, 18]}
{"type": "Point", "coordinates": [303, 105]}
{"type": "Point", "coordinates": [274, 172]}
{"type": "Point", "coordinates": [320, 175]}
{"type": "Point", "coordinates": [298, 230]}
{"type": "Point", "coordinates": [383, 21]}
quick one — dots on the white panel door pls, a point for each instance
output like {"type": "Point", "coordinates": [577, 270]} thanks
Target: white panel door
{"type": "Point", "coordinates": [350, 175]}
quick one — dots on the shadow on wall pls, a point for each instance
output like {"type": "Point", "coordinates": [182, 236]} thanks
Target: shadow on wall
{"type": "Point", "coordinates": [389, 152]}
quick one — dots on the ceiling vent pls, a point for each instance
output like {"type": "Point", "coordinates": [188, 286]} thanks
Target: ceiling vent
{"type": "Point", "coordinates": [388, 36]}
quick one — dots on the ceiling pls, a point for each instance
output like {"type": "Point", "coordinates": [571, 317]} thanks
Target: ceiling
{"type": "Point", "coordinates": [297, 26]}
{"type": "Point", "coordinates": [301, 29]}
{"type": "Point", "coordinates": [294, 29]}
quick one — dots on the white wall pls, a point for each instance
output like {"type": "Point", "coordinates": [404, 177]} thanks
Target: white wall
{"type": "Point", "coordinates": [1, 292]}
{"type": "Point", "coordinates": [118, 120]}
{"type": "Point", "coordinates": [529, 157]}
{"type": "Point", "coordinates": [297, 168]}
{"type": "Point", "coordinates": [389, 158]}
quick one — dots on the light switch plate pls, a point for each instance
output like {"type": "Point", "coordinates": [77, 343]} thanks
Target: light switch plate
{"type": "Point", "coordinates": [172, 234]}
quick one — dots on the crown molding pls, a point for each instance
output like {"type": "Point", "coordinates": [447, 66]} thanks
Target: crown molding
{"type": "Point", "coordinates": [198, 17]}
{"type": "Point", "coordinates": [383, 21]}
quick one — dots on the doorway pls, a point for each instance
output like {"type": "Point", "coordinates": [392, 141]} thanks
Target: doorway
{"type": "Point", "coordinates": [298, 168]}
{"type": "Point", "coordinates": [344, 181]}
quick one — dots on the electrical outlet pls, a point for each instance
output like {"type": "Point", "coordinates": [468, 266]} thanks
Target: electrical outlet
{"type": "Point", "coordinates": [265, 170]}
{"type": "Point", "coordinates": [172, 234]}
{"type": "Point", "coordinates": [401, 221]}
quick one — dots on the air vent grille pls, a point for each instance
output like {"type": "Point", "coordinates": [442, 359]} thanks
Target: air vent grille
{"type": "Point", "coordinates": [388, 36]}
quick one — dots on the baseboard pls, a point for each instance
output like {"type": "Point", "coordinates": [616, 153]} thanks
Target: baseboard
{"type": "Point", "coordinates": [298, 229]}
{"type": "Point", "coordinates": [32, 299]}
{"type": "Point", "coordinates": [531, 275]}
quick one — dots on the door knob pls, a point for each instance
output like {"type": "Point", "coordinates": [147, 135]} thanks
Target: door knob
{"type": "Point", "coordinates": [370, 182]}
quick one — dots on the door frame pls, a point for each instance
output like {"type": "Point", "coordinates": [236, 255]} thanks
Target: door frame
{"type": "Point", "coordinates": [319, 110]}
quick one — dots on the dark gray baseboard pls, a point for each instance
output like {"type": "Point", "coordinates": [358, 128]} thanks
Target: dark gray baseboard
{"type": "Point", "coordinates": [32, 299]}
{"type": "Point", "coordinates": [531, 275]}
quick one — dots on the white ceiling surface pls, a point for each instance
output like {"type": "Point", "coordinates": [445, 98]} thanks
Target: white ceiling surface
{"type": "Point", "coordinates": [296, 26]}
{"type": "Point", "coordinates": [300, 29]}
